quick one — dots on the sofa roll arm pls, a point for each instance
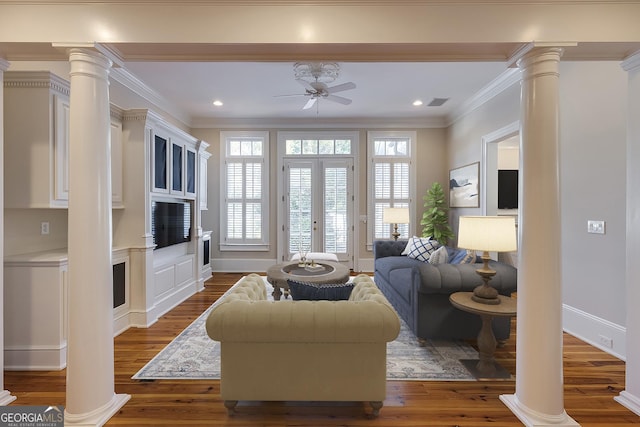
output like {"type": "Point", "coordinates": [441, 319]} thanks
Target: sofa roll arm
{"type": "Point", "coordinates": [303, 321]}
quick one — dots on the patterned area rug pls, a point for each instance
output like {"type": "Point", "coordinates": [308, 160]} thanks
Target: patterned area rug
{"type": "Point", "coordinates": [193, 355]}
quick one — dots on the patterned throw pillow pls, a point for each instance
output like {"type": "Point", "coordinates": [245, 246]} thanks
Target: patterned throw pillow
{"type": "Point", "coordinates": [439, 256]}
{"type": "Point", "coordinates": [315, 292]}
{"type": "Point", "coordinates": [422, 248]}
{"type": "Point", "coordinates": [469, 258]}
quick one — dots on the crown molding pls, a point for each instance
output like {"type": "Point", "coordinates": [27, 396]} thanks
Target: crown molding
{"type": "Point", "coordinates": [632, 62]}
{"type": "Point", "coordinates": [319, 123]}
{"type": "Point", "coordinates": [36, 79]}
{"type": "Point", "coordinates": [131, 82]}
{"type": "Point", "coordinates": [501, 83]}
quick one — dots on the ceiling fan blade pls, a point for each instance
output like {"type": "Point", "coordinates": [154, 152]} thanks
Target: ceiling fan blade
{"type": "Point", "coordinates": [339, 99]}
{"type": "Point", "coordinates": [293, 94]}
{"type": "Point", "coordinates": [306, 85]}
{"type": "Point", "coordinates": [309, 104]}
{"type": "Point", "coordinates": [341, 87]}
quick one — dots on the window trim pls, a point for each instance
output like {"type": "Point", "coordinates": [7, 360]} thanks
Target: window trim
{"type": "Point", "coordinates": [246, 245]}
{"type": "Point", "coordinates": [372, 136]}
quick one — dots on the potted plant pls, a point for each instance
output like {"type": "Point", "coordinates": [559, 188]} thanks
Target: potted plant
{"type": "Point", "coordinates": [435, 219]}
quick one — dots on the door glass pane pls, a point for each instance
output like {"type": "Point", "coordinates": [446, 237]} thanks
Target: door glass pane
{"type": "Point", "coordinates": [335, 210]}
{"type": "Point", "coordinates": [300, 209]}
{"type": "Point", "coordinates": [325, 146]}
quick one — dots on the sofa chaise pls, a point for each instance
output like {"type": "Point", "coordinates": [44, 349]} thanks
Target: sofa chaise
{"type": "Point", "coordinates": [303, 350]}
{"type": "Point", "coordinates": [419, 291]}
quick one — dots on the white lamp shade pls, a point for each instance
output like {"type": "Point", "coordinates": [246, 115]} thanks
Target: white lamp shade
{"type": "Point", "coordinates": [487, 233]}
{"type": "Point", "coordinates": [395, 216]}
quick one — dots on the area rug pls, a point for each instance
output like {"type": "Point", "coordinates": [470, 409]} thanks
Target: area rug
{"type": "Point", "coordinates": [193, 355]}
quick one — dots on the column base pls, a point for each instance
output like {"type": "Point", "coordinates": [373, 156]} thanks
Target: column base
{"type": "Point", "coordinates": [100, 416]}
{"type": "Point", "coordinates": [6, 398]}
{"type": "Point", "coordinates": [629, 401]}
{"type": "Point", "coordinates": [532, 418]}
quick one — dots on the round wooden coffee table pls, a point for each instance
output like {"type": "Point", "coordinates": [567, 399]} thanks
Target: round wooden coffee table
{"type": "Point", "coordinates": [327, 272]}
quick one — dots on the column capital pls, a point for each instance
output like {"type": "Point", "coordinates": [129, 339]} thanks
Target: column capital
{"type": "Point", "coordinates": [536, 48]}
{"type": "Point", "coordinates": [632, 62]}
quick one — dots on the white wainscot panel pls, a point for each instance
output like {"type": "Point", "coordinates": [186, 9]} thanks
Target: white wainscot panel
{"type": "Point", "coordinates": [184, 272]}
{"type": "Point", "coordinates": [164, 280]}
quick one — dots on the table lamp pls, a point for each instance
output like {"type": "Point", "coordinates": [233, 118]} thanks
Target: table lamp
{"type": "Point", "coordinates": [487, 234]}
{"type": "Point", "coordinates": [395, 216]}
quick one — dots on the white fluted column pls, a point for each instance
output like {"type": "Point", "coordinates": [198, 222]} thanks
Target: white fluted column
{"type": "Point", "coordinates": [630, 397]}
{"type": "Point", "coordinates": [91, 399]}
{"type": "Point", "coordinates": [539, 397]}
{"type": "Point", "coordinates": [5, 396]}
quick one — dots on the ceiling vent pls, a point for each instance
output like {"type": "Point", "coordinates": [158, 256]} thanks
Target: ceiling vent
{"type": "Point", "coordinates": [437, 102]}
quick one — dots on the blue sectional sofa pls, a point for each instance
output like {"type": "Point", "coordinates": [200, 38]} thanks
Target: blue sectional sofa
{"type": "Point", "coordinates": [419, 291]}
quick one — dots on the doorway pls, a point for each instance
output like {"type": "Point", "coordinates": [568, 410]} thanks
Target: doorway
{"type": "Point", "coordinates": [316, 191]}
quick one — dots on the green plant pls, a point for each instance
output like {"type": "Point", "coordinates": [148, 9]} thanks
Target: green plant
{"type": "Point", "coordinates": [435, 219]}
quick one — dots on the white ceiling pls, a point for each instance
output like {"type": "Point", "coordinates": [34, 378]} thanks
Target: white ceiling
{"type": "Point", "coordinates": [252, 89]}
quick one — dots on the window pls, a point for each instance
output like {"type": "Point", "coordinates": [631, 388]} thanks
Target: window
{"type": "Point", "coordinates": [391, 180]}
{"type": "Point", "coordinates": [244, 213]}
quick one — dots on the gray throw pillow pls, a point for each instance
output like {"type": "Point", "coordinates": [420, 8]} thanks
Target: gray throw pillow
{"type": "Point", "coordinates": [315, 292]}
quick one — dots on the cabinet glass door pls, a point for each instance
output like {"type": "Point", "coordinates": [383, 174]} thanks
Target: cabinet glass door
{"type": "Point", "coordinates": [190, 175]}
{"type": "Point", "coordinates": [160, 157]}
{"type": "Point", "coordinates": [176, 168]}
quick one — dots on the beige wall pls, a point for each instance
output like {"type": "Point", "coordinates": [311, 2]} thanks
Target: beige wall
{"type": "Point", "coordinates": [430, 166]}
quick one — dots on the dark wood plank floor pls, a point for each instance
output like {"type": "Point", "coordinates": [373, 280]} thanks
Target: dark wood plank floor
{"type": "Point", "coordinates": [592, 379]}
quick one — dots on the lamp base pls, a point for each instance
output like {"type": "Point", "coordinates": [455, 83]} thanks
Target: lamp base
{"type": "Point", "coordinates": [488, 301]}
{"type": "Point", "coordinates": [485, 294]}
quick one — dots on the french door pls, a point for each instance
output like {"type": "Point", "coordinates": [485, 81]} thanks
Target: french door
{"type": "Point", "coordinates": [318, 206]}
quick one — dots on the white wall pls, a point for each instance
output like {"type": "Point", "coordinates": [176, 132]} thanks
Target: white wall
{"type": "Point", "coordinates": [592, 174]}
{"type": "Point", "coordinates": [22, 234]}
{"type": "Point", "coordinates": [464, 137]}
{"type": "Point", "coordinates": [593, 186]}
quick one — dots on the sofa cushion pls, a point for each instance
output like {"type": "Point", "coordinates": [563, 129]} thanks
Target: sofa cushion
{"type": "Point", "coordinates": [315, 292]}
{"type": "Point", "coordinates": [439, 256]}
{"type": "Point", "coordinates": [421, 248]}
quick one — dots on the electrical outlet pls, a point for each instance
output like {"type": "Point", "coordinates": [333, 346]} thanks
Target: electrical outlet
{"type": "Point", "coordinates": [605, 341]}
{"type": "Point", "coordinates": [596, 227]}
{"type": "Point", "coordinates": [44, 228]}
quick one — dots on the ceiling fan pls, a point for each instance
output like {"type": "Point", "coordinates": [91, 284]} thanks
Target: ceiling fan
{"type": "Point", "coordinates": [314, 78]}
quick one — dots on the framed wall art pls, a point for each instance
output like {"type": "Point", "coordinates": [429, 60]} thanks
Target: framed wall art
{"type": "Point", "coordinates": [464, 186]}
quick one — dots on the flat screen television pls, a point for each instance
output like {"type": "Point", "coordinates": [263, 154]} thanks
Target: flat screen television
{"type": "Point", "coordinates": [170, 223]}
{"type": "Point", "coordinates": [507, 189]}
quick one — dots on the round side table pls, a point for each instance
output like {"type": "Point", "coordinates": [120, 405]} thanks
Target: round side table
{"type": "Point", "coordinates": [486, 367]}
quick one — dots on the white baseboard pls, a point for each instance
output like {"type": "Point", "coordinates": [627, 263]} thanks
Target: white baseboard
{"type": "Point", "coordinates": [629, 401]}
{"type": "Point", "coordinates": [172, 299]}
{"type": "Point", "coordinates": [35, 358]}
{"type": "Point", "coordinates": [365, 264]}
{"type": "Point", "coordinates": [595, 331]}
{"type": "Point", "coordinates": [6, 398]}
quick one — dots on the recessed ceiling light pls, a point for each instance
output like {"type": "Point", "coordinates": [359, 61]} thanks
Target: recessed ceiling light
{"type": "Point", "coordinates": [217, 103]}
{"type": "Point", "coordinates": [417, 103]}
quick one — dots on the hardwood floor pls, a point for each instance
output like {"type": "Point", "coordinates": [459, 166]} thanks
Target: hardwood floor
{"type": "Point", "coordinates": [592, 379]}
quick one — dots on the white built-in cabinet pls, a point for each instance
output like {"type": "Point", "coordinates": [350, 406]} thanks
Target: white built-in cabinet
{"type": "Point", "coordinates": [36, 142]}
{"type": "Point", "coordinates": [36, 304]}
{"type": "Point", "coordinates": [174, 165]}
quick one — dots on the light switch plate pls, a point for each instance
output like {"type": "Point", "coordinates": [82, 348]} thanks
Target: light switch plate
{"type": "Point", "coordinates": [596, 227]}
